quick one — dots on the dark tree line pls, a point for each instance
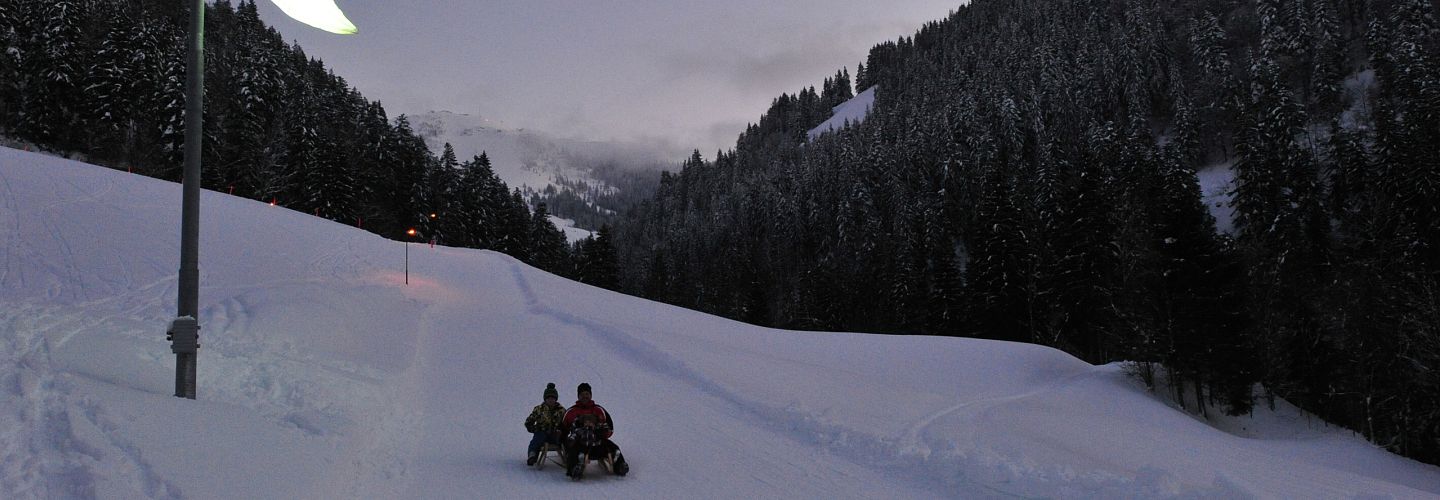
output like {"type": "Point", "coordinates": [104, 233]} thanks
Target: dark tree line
{"type": "Point", "coordinates": [1028, 173]}
{"type": "Point", "coordinates": [104, 79]}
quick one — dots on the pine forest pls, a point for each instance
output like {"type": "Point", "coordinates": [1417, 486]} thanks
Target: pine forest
{"type": "Point", "coordinates": [1028, 173]}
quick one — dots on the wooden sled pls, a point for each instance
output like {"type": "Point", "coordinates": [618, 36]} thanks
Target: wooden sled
{"type": "Point", "coordinates": [607, 462]}
{"type": "Point", "coordinates": [550, 453]}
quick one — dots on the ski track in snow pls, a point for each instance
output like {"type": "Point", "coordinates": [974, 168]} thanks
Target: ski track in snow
{"type": "Point", "coordinates": [46, 410]}
{"type": "Point", "coordinates": [9, 230]}
{"type": "Point", "coordinates": [912, 443]}
{"type": "Point", "coordinates": [943, 466]}
{"type": "Point", "coordinates": [68, 265]}
{"type": "Point", "coordinates": [146, 475]}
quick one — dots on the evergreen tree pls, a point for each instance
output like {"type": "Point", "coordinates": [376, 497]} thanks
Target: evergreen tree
{"type": "Point", "coordinates": [118, 86]}
{"type": "Point", "coordinates": [515, 228]}
{"type": "Point", "coordinates": [596, 262]}
{"type": "Point", "coordinates": [657, 279]}
{"type": "Point", "coordinates": [1000, 266]}
{"type": "Point", "coordinates": [1327, 53]}
{"type": "Point", "coordinates": [168, 101]}
{"type": "Point", "coordinates": [325, 185]}
{"type": "Point", "coordinates": [1283, 234]}
{"type": "Point", "coordinates": [51, 57]}
{"type": "Point", "coordinates": [473, 211]}
{"type": "Point", "coordinates": [1390, 271]}
{"type": "Point", "coordinates": [402, 169]}
{"type": "Point", "coordinates": [9, 73]}
{"type": "Point", "coordinates": [438, 199]}
{"type": "Point", "coordinates": [548, 249]}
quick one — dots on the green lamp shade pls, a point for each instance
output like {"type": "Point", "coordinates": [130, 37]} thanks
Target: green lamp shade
{"type": "Point", "coordinates": [323, 14]}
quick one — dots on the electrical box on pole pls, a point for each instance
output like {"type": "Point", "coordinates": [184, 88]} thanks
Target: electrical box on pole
{"type": "Point", "coordinates": [184, 335]}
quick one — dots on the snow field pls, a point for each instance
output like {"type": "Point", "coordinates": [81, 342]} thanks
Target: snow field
{"type": "Point", "coordinates": [322, 375]}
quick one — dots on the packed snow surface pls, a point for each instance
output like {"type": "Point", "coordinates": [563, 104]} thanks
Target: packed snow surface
{"type": "Point", "coordinates": [852, 111]}
{"type": "Point", "coordinates": [324, 375]}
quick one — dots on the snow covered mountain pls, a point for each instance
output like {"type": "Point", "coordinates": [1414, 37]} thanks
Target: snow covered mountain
{"type": "Point", "coordinates": [520, 157]}
{"type": "Point", "coordinates": [533, 161]}
{"type": "Point", "coordinates": [529, 158]}
{"type": "Point", "coordinates": [324, 375]}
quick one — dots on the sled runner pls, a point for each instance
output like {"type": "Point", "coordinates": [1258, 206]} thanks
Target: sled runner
{"type": "Point", "coordinates": [552, 453]}
{"type": "Point", "coordinates": [591, 442]}
{"type": "Point", "coordinates": [607, 462]}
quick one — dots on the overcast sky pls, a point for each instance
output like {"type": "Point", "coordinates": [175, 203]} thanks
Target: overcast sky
{"type": "Point", "coordinates": [680, 74]}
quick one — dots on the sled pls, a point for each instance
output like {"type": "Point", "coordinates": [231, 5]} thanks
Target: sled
{"type": "Point", "coordinates": [551, 453]}
{"type": "Point", "coordinates": [607, 462]}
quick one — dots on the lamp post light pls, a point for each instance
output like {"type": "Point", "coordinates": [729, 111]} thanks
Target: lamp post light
{"type": "Point", "coordinates": [184, 332]}
{"type": "Point", "coordinates": [410, 234]}
{"type": "Point", "coordinates": [322, 14]}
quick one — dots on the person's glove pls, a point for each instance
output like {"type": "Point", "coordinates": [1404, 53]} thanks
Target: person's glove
{"type": "Point", "coordinates": [530, 426]}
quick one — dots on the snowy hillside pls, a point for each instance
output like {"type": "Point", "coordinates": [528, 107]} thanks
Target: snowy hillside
{"type": "Point", "coordinates": [567, 226]}
{"type": "Point", "coordinates": [852, 111]}
{"type": "Point", "coordinates": [323, 375]}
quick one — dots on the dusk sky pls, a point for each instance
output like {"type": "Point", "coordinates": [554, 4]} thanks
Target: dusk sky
{"type": "Point", "coordinates": [678, 74]}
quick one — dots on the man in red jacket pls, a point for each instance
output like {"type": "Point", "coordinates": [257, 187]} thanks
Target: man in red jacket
{"type": "Point", "coordinates": [588, 427]}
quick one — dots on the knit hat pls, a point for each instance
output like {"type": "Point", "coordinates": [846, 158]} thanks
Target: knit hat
{"type": "Point", "coordinates": [550, 391]}
{"type": "Point", "coordinates": [584, 387]}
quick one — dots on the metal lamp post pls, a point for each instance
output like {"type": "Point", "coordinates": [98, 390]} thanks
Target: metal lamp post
{"type": "Point", "coordinates": [184, 332]}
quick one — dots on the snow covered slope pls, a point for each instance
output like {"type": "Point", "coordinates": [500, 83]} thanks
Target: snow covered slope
{"type": "Point", "coordinates": [853, 111]}
{"type": "Point", "coordinates": [572, 233]}
{"type": "Point", "coordinates": [323, 375]}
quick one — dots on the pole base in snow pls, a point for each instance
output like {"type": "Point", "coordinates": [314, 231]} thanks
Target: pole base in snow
{"type": "Point", "coordinates": [185, 375]}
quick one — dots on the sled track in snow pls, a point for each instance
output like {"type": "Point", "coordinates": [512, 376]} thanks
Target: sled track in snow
{"type": "Point", "coordinates": [971, 473]}
{"type": "Point", "coordinates": [862, 449]}
{"type": "Point", "coordinates": [9, 230]}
